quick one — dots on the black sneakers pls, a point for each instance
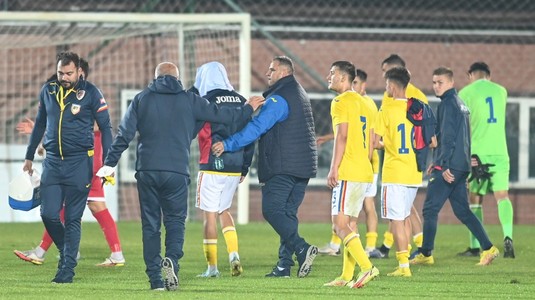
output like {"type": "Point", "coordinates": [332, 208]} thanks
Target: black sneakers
{"type": "Point", "coordinates": [470, 252]}
{"type": "Point", "coordinates": [384, 251]}
{"type": "Point", "coordinates": [508, 249]}
{"type": "Point", "coordinates": [279, 272]}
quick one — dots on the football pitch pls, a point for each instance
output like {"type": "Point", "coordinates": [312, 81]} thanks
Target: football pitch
{"type": "Point", "coordinates": [450, 278]}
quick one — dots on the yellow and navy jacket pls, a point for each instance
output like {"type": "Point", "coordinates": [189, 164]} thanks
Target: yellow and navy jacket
{"type": "Point", "coordinates": [66, 117]}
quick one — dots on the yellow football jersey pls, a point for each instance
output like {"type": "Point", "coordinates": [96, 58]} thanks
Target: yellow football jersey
{"type": "Point", "coordinates": [399, 166]}
{"type": "Point", "coordinates": [355, 165]}
{"type": "Point", "coordinates": [410, 92]}
{"type": "Point", "coordinates": [371, 114]}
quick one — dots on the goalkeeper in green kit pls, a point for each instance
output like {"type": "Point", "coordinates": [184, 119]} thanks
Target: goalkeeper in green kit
{"type": "Point", "coordinates": [490, 159]}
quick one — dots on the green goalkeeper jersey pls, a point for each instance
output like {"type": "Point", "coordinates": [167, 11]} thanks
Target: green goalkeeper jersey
{"type": "Point", "coordinates": [487, 103]}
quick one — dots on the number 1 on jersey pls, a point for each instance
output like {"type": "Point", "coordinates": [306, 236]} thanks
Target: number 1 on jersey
{"type": "Point", "coordinates": [363, 120]}
{"type": "Point", "coordinates": [491, 118]}
{"type": "Point", "coordinates": [403, 149]}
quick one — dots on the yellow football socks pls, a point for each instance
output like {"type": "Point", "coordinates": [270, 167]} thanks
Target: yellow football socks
{"type": "Point", "coordinates": [210, 251]}
{"type": "Point", "coordinates": [388, 239]}
{"type": "Point", "coordinates": [335, 239]}
{"type": "Point", "coordinates": [354, 247]}
{"type": "Point", "coordinates": [371, 240]}
{"type": "Point", "coordinates": [348, 267]}
{"type": "Point", "coordinates": [418, 239]}
{"type": "Point", "coordinates": [403, 258]}
{"type": "Point", "coordinates": [231, 238]}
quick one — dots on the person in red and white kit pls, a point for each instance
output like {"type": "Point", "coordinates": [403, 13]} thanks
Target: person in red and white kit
{"type": "Point", "coordinates": [95, 201]}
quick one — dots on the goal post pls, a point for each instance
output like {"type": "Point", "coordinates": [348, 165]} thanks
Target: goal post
{"type": "Point", "coordinates": [122, 49]}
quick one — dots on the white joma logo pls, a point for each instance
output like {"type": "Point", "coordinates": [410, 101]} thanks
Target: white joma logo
{"type": "Point", "coordinates": [221, 99]}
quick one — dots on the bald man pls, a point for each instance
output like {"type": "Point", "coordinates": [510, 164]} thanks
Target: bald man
{"type": "Point", "coordinates": [167, 119]}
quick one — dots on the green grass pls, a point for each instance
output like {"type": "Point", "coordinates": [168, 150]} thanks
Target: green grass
{"type": "Point", "coordinates": [449, 278]}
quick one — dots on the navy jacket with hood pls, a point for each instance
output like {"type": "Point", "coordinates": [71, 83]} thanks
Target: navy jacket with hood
{"type": "Point", "coordinates": [166, 118]}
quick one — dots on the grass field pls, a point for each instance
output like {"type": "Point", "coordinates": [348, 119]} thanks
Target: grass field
{"type": "Point", "coordinates": [449, 278]}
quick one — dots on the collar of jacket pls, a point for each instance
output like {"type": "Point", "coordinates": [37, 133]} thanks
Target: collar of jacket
{"type": "Point", "coordinates": [449, 93]}
{"type": "Point", "coordinates": [278, 84]}
{"type": "Point", "coordinates": [166, 85]}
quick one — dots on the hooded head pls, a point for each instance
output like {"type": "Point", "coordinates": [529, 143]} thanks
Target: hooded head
{"type": "Point", "coordinates": [212, 76]}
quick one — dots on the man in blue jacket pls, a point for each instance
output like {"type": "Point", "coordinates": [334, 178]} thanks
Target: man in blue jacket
{"type": "Point", "coordinates": [68, 108]}
{"type": "Point", "coordinates": [287, 159]}
{"type": "Point", "coordinates": [449, 171]}
{"type": "Point", "coordinates": [167, 119]}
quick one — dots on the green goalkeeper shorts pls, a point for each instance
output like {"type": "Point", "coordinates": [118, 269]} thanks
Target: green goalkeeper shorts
{"type": "Point", "coordinates": [500, 175]}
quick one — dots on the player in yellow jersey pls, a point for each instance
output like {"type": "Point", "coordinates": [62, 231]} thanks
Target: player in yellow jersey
{"type": "Point", "coordinates": [411, 91]}
{"type": "Point", "coordinates": [350, 173]}
{"type": "Point", "coordinates": [400, 175]}
{"type": "Point", "coordinates": [333, 247]}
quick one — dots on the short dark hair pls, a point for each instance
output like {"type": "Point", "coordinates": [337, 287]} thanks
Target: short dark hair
{"type": "Point", "coordinates": [443, 71]}
{"type": "Point", "coordinates": [285, 61]}
{"type": "Point", "coordinates": [346, 67]}
{"type": "Point", "coordinates": [66, 58]}
{"type": "Point", "coordinates": [400, 75]}
{"type": "Point", "coordinates": [361, 74]}
{"type": "Point", "coordinates": [479, 66]}
{"type": "Point", "coordinates": [84, 65]}
{"type": "Point", "coordinates": [394, 59]}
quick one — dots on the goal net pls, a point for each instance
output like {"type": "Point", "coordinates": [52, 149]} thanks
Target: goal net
{"type": "Point", "coordinates": [122, 50]}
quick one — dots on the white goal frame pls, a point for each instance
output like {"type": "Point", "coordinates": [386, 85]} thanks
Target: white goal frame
{"type": "Point", "coordinates": [243, 19]}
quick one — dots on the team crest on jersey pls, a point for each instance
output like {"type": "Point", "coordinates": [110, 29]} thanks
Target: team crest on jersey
{"type": "Point", "coordinates": [75, 108]}
{"type": "Point", "coordinates": [80, 94]}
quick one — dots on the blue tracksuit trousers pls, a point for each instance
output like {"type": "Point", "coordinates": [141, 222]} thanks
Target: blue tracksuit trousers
{"type": "Point", "coordinates": [162, 193]}
{"type": "Point", "coordinates": [281, 197]}
{"type": "Point", "coordinates": [438, 191]}
{"type": "Point", "coordinates": [65, 182]}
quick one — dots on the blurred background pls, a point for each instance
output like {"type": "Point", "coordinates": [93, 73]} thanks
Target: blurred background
{"type": "Point", "coordinates": [123, 48]}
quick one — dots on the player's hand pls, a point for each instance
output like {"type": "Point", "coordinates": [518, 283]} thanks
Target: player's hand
{"type": "Point", "coordinates": [332, 179]}
{"type": "Point", "coordinates": [474, 162]}
{"type": "Point", "coordinates": [27, 167]}
{"type": "Point", "coordinates": [26, 126]}
{"type": "Point", "coordinates": [430, 169]}
{"type": "Point", "coordinates": [218, 149]}
{"type": "Point", "coordinates": [448, 176]}
{"type": "Point", "coordinates": [320, 140]}
{"type": "Point", "coordinates": [242, 178]}
{"type": "Point", "coordinates": [256, 102]}
{"type": "Point", "coordinates": [107, 175]}
{"type": "Point", "coordinates": [434, 142]}
{"type": "Point", "coordinates": [41, 150]}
